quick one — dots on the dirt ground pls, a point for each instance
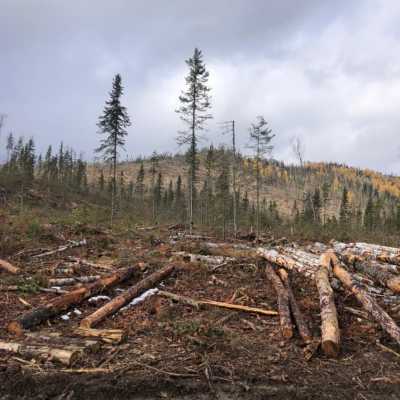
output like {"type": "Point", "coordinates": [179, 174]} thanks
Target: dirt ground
{"type": "Point", "coordinates": [174, 351]}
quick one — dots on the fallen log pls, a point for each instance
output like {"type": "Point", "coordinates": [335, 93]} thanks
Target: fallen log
{"type": "Point", "coordinates": [87, 263]}
{"type": "Point", "coordinates": [61, 249]}
{"type": "Point", "coordinates": [72, 281]}
{"type": "Point", "coordinates": [368, 302]}
{"type": "Point", "coordinates": [56, 306]}
{"type": "Point", "coordinates": [283, 302]}
{"type": "Point", "coordinates": [7, 267]}
{"type": "Point", "coordinates": [63, 356]}
{"type": "Point", "coordinates": [384, 278]}
{"type": "Point", "coordinates": [288, 262]}
{"type": "Point", "coordinates": [199, 303]}
{"type": "Point", "coordinates": [213, 260]}
{"type": "Point", "coordinates": [330, 333]}
{"type": "Point", "coordinates": [112, 336]}
{"type": "Point", "coordinates": [301, 323]}
{"type": "Point", "coordinates": [115, 304]}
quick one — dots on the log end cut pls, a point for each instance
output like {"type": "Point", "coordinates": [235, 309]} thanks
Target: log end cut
{"type": "Point", "coordinates": [16, 328]}
{"type": "Point", "coordinates": [330, 348]}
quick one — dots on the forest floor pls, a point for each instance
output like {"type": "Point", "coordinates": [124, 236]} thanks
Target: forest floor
{"type": "Point", "coordinates": [174, 351]}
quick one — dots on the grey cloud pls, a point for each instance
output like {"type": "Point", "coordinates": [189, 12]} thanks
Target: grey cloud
{"type": "Point", "coordinates": [328, 72]}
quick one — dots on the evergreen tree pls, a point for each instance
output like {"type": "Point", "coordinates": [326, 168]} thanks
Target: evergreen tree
{"type": "Point", "coordinates": [101, 181]}
{"type": "Point", "coordinates": [194, 112]}
{"type": "Point", "coordinates": [260, 139]}
{"type": "Point", "coordinates": [316, 201]}
{"type": "Point", "coordinates": [113, 123]}
{"type": "Point", "coordinates": [344, 212]}
{"type": "Point", "coordinates": [139, 187]}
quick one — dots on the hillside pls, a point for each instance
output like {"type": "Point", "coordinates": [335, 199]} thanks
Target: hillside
{"type": "Point", "coordinates": [283, 184]}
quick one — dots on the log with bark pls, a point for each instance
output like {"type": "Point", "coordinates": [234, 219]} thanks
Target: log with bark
{"type": "Point", "coordinates": [115, 304]}
{"type": "Point", "coordinates": [64, 356]}
{"type": "Point", "coordinates": [112, 336]}
{"type": "Point", "coordinates": [390, 255]}
{"type": "Point", "coordinates": [308, 267]}
{"type": "Point", "coordinates": [60, 249]}
{"type": "Point", "coordinates": [301, 323]}
{"type": "Point", "coordinates": [330, 333]}
{"type": "Point", "coordinates": [8, 267]}
{"type": "Point", "coordinates": [72, 281]}
{"type": "Point", "coordinates": [200, 303]}
{"type": "Point", "coordinates": [366, 300]}
{"type": "Point", "coordinates": [379, 275]}
{"type": "Point", "coordinates": [283, 302]}
{"type": "Point", "coordinates": [56, 306]}
{"type": "Point", "coordinates": [212, 260]}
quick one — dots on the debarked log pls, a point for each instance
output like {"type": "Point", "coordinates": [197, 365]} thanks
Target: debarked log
{"type": "Point", "coordinates": [330, 333]}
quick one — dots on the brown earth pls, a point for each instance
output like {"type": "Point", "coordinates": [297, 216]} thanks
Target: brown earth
{"type": "Point", "coordinates": [176, 352]}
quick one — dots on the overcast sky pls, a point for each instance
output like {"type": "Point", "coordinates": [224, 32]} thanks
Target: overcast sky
{"type": "Point", "coordinates": [325, 71]}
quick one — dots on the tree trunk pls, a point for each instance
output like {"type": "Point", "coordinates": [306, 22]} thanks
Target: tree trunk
{"type": "Point", "coordinates": [124, 298]}
{"type": "Point", "coordinates": [283, 302]}
{"type": "Point", "coordinates": [56, 306]}
{"type": "Point", "coordinates": [72, 281]}
{"type": "Point", "coordinates": [329, 321]}
{"type": "Point", "coordinates": [301, 323]}
{"type": "Point", "coordinates": [369, 303]}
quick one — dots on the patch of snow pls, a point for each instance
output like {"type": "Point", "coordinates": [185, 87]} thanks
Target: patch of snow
{"type": "Point", "coordinates": [94, 299]}
{"type": "Point", "coordinates": [77, 312]}
{"type": "Point", "coordinates": [141, 298]}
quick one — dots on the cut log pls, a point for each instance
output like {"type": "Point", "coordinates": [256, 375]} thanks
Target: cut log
{"type": "Point", "coordinates": [87, 263]}
{"type": "Point", "coordinates": [287, 261]}
{"type": "Point", "coordinates": [124, 298]}
{"type": "Point", "coordinates": [56, 306]}
{"type": "Point", "coordinates": [330, 333]}
{"type": "Point", "coordinates": [63, 356]}
{"type": "Point", "coordinates": [61, 249]}
{"type": "Point", "coordinates": [199, 303]}
{"type": "Point", "coordinates": [112, 336]}
{"type": "Point", "coordinates": [7, 267]}
{"type": "Point", "coordinates": [283, 302]}
{"type": "Point", "coordinates": [72, 281]}
{"type": "Point", "coordinates": [213, 260]}
{"type": "Point", "coordinates": [384, 278]}
{"type": "Point", "coordinates": [368, 302]}
{"type": "Point", "coordinates": [301, 323]}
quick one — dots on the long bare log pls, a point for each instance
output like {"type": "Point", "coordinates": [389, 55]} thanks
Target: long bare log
{"type": "Point", "coordinates": [283, 302]}
{"type": "Point", "coordinates": [330, 333]}
{"type": "Point", "coordinates": [56, 306]}
{"type": "Point", "coordinates": [7, 267]}
{"type": "Point", "coordinates": [301, 323]}
{"type": "Point", "coordinates": [199, 303]}
{"type": "Point", "coordinates": [368, 302]}
{"type": "Point", "coordinates": [63, 356]}
{"type": "Point", "coordinates": [115, 304]}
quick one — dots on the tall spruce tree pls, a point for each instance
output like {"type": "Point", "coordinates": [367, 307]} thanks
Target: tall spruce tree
{"type": "Point", "coordinates": [194, 112]}
{"type": "Point", "coordinates": [112, 124]}
{"type": "Point", "coordinates": [260, 143]}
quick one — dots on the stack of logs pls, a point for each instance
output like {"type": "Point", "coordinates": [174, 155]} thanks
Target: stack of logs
{"type": "Point", "coordinates": [331, 269]}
